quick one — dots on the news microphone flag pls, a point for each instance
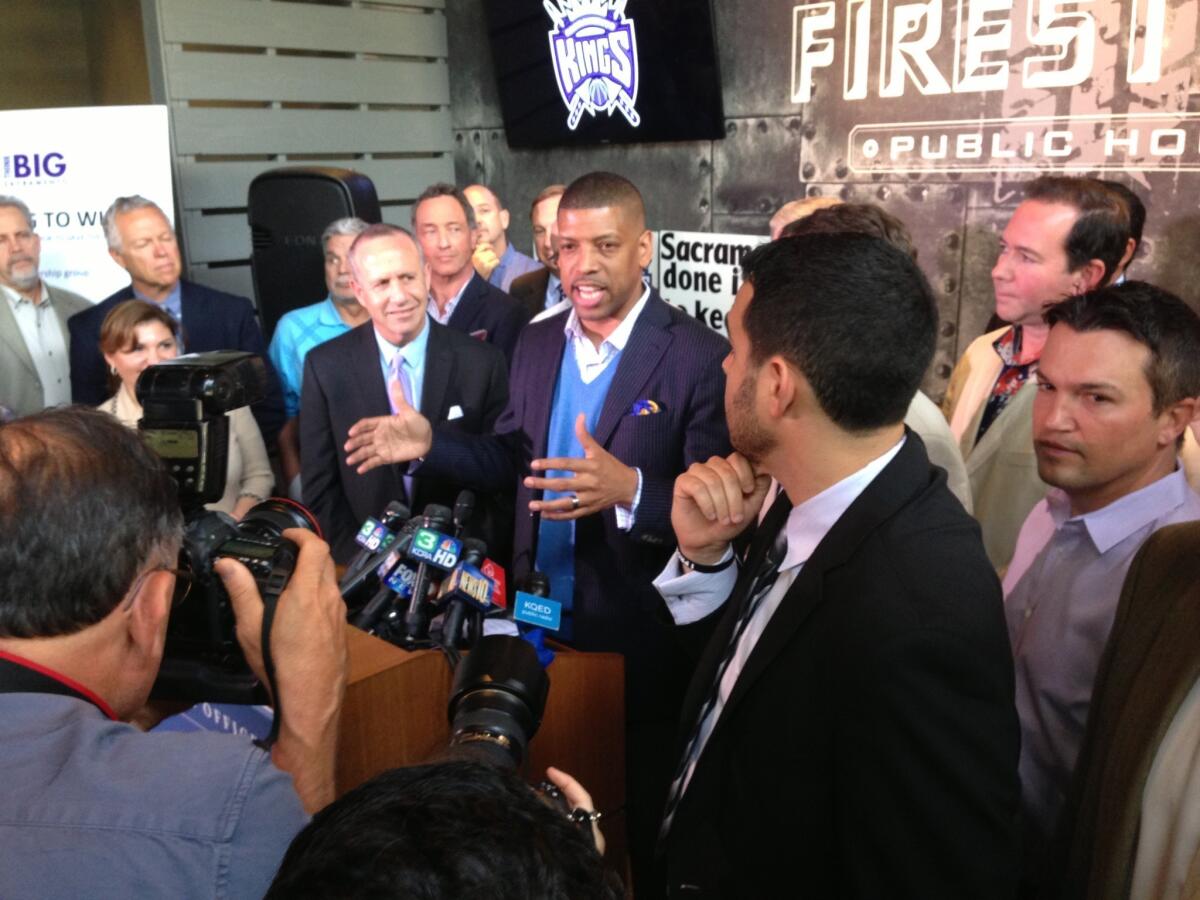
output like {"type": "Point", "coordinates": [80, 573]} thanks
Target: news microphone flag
{"type": "Point", "coordinates": [435, 549]}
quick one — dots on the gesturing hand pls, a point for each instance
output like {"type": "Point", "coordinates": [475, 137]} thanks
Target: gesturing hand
{"type": "Point", "coordinates": [381, 440]}
{"type": "Point", "coordinates": [712, 503]}
{"type": "Point", "coordinates": [599, 481]}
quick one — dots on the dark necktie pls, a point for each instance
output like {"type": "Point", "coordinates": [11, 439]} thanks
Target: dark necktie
{"type": "Point", "coordinates": [766, 574]}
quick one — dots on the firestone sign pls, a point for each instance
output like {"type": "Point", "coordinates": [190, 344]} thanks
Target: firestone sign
{"type": "Point", "coordinates": [1067, 84]}
{"type": "Point", "coordinates": [594, 49]}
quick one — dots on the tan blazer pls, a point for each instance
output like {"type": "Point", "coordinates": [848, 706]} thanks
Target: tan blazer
{"type": "Point", "coordinates": [1002, 467]}
{"type": "Point", "coordinates": [1149, 665]}
{"type": "Point", "coordinates": [249, 468]}
{"type": "Point", "coordinates": [20, 387]}
{"type": "Point", "coordinates": [926, 419]}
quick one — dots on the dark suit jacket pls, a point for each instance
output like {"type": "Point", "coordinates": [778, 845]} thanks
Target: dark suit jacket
{"type": "Point", "coordinates": [485, 308]}
{"type": "Point", "coordinates": [672, 359]}
{"type": "Point", "coordinates": [530, 290]}
{"type": "Point", "coordinates": [212, 320]}
{"type": "Point", "coordinates": [343, 383]}
{"type": "Point", "coordinates": [869, 746]}
{"type": "Point", "coordinates": [1150, 663]}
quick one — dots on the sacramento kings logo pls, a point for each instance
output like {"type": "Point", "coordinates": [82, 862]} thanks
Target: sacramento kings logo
{"type": "Point", "coordinates": [594, 49]}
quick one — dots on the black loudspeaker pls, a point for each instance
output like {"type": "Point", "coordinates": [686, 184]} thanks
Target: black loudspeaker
{"type": "Point", "coordinates": [289, 209]}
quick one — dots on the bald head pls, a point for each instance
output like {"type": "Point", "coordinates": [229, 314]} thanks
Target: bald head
{"type": "Point", "coordinates": [376, 232]}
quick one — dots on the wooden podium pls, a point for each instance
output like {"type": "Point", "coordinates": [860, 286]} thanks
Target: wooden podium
{"type": "Point", "coordinates": [395, 714]}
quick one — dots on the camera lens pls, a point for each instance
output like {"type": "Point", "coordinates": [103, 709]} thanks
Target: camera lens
{"type": "Point", "coordinates": [497, 700]}
{"type": "Point", "coordinates": [271, 517]}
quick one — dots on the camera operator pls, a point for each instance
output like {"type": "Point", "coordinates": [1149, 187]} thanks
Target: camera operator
{"type": "Point", "coordinates": [450, 829]}
{"type": "Point", "coordinates": [90, 531]}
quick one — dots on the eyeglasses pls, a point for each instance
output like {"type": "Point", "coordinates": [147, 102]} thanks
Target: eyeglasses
{"type": "Point", "coordinates": [183, 584]}
{"type": "Point", "coordinates": [184, 579]}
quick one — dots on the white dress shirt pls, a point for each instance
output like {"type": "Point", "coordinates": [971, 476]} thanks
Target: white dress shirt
{"type": "Point", "coordinates": [443, 318]}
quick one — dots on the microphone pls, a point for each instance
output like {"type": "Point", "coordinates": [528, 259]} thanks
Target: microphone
{"type": "Point", "coordinates": [495, 571]}
{"type": "Point", "coordinates": [390, 573]}
{"type": "Point", "coordinates": [464, 506]}
{"type": "Point", "coordinates": [397, 581]}
{"type": "Point", "coordinates": [428, 548]}
{"type": "Point", "coordinates": [374, 538]}
{"type": "Point", "coordinates": [467, 587]}
{"type": "Point", "coordinates": [533, 605]}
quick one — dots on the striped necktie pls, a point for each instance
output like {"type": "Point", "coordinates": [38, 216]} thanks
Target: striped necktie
{"type": "Point", "coordinates": [759, 587]}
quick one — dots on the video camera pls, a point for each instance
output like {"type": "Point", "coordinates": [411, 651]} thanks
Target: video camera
{"type": "Point", "coordinates": [185, 402]}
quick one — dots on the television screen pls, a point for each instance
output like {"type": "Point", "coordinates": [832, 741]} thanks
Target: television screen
{"type": "Point", "coordinates": [574, 72]}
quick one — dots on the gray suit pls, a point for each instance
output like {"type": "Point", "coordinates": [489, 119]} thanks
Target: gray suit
{"type": "Point", "coordinates": [20, 387]}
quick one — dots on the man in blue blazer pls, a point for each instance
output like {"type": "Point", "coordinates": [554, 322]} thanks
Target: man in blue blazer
{"type": "Point", "coordinates": [609, 402]}
{"type": "Point", "coordinates": [142, 242]}
{"type": "Point", "coordinates": [445, 227]}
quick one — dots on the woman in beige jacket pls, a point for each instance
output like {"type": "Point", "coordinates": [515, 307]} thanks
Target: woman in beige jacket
{"type": "Point", "coordinates": [136, 335]}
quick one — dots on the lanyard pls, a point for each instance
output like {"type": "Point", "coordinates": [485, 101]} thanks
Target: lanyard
{"type": "Point", "coordinates": [23, 676]}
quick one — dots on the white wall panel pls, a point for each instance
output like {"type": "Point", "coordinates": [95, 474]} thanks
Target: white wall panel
{"type": "Point", "coordinates": [223, 185]}
{"type": "Point", "coordinates": [234, 112]}
{"type": "Point", "coordinates": [306, 79]}
{"type": "Point", "coordinates": [248, 131]}
{"type": "Point", "coordinates": [303, 26]}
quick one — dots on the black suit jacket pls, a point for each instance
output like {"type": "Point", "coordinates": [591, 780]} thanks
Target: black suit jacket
{"type": "Point", "coordinates": [530, 290]}
{"type": "Point", "coordinates": [484, 308]}
{"type": "Point", "coordinates": [343, 383]}
{"type": "Point", "coordinates": [672, 359]}
{"type": "Point", "coordinates": [869, 746]}
{"type": "Point", "coordinates": [212, 320]}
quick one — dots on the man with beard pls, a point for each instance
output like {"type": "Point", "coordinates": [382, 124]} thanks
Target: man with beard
{"type": "Point", "coordinates": [302, 329]}
{"type": "Point", "coordinates": [850, 729]}
{"type": "Point", "coordinates": [34, 370]}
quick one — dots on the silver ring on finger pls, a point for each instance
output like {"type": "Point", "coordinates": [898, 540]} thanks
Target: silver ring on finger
{"type": "Point", "coordinates": [574, 502]}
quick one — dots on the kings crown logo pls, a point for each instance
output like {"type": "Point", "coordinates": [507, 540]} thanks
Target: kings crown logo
{"type": "Point", "coordinates": [594, 49]}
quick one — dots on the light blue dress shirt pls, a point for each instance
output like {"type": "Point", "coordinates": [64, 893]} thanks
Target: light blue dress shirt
{"type": "Point", "coordinates": [513, 264]}
{"type": "Point", "coordinates": [298, 332]}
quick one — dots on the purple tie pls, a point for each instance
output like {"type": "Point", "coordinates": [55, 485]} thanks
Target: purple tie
{"type": "Point", "coordinates": [398, 373]}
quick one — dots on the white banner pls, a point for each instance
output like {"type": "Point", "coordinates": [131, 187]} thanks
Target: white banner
{"type": "Point", "coordinates": [700, 272]}
{"type": "Point", "coordinates": [67, 165]}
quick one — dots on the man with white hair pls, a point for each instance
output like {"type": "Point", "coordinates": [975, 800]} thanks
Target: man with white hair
{"type": "Point", "coordinates": [142, 242]}
{"type": "Point", "coordinates": [34, 370]}
{"type": "Point", "coordinates": [302, 329]}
